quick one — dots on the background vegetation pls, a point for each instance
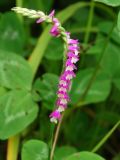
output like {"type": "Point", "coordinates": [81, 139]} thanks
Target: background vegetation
{"type": "Point", "coordinates": [30, 65]}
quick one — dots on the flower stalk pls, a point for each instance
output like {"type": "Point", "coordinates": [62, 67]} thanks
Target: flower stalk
{"type": "Point", "coordinates": [71, 56]}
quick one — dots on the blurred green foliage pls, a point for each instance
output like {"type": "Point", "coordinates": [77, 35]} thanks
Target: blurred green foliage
{"type": "Point", "coordinates": [26, 100]}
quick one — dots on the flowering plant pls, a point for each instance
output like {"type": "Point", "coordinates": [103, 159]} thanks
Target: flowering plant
{"type": "Point", "coordinates": [49, 94]}
{"type": "Point", "coordinates": [71, 57]}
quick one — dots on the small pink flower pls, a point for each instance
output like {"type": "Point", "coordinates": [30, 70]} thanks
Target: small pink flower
{"type": "Point", "coordinates": [55, 116]}
{"type": "Point", "coordinates": [40, 20]}
{"type": "Point", "coordinates": [52, 13]}
{"type": "Point", "coordinates": [55, 31]}
{"type": "Point", "coordinates": [73, 41]}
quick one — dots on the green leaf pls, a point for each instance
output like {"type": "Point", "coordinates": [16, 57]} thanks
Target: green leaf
{"type": "Point", "coordinates": [35, 150]}
{"type": "Point", "coordinates": [108, 116]}
{"type": "Point", "coordinates": [112, 65]}
{"type": "Point", "coordinates": [47, 88]}
{"type": "Point", "coordinates": [116, 77]}
{"type": "Point", "coordinates": [108, 64]}
{"type": "Point", "coordinates": [14, 71]}
{"type": "Point", "coordinates": [83, 122]}
{"type": "Point", "coordinates": [55, 49]}
{"type": "Point", "coordinates": [62, 152]}
{"type": "Point", "coordinates": [17, 111]}
{"type": "Point", "coordinates": [118, 21]}
{"type": "Point", "coordinates": [96, 48]}
{"type": "Point", "coordinates": [84, 156]}
{"type": "Point", "coordinates": [98, 91]}
{"type": "Point", "coordinates": [12, 37]}
{"type": "Point", "coordinates": [2, 91]}
{"type": "Point", "coordinates": [113, 3]}
{"type": "Point", "coordinates": [103, 27]}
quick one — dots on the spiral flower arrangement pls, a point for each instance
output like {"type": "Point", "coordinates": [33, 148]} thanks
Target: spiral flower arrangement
{"type": "Point", "coordinates": [71, 57]}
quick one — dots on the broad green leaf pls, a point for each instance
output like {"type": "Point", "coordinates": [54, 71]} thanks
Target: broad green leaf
{"type": "Point", "coordinates": [84, 156]}
{"type": "Point", "coordinates": [62, 152]}
{"type": "Point", "coordinates": [12, 34]}
{"type": "Point", "coordinates": [15, 73]}
{"type": "Point", "coordinates": [47, 88]}
{"type": "Point", "coordinates": [35, 150]}
{"type": "Point", "coordinates": [98, 91]}
{"type": "Point", "coordinates": [113, 3]}
{"type": "Point", "coordinates": [55, 49]}
{"type": "Point", "coordinates": [17, 111]}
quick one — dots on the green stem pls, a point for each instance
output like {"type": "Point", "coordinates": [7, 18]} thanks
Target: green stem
{"type": "Point", "coordinates": [52, 128]}
{"type": "Point", "coordinates": [88, 28]}
{"type": "Point", "coordinates": [13, 147]}
{"type": "Point", "coordinates": [56, 138]}
{"type": "Point", "coordinates": [89, 25]}
{"type": "Point", "coordinates": [19, 3]}
{"type": "Point", "coordinates": [105, 138]}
